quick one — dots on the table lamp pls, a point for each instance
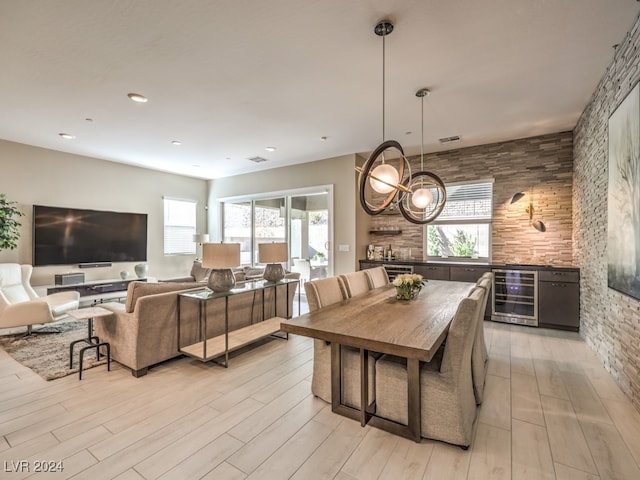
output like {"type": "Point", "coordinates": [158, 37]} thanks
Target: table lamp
{"type": "Point", "coordinates": [199, 239]}
{"type": "Point", "coordinates": [220, 258]}
{"type": "Point", "coordinates": [273, 254]}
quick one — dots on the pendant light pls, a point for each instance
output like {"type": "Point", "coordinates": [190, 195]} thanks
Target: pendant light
{"type": "Point", "coordinates": [426, 194]}
{"type": "Point", "coordinates": [379, 181]}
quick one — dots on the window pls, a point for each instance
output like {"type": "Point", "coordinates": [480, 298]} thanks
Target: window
{"type": "Point", "coordinates": [463, 230]}
{"type": "Point", "coordinates": [179, 226]}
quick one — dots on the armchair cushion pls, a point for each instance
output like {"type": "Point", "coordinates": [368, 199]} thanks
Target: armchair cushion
{"type": "Point", "coordinates": [20, 304]}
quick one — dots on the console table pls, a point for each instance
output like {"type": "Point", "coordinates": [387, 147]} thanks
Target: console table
{"type": "Point", "coordinates": [229, 341]}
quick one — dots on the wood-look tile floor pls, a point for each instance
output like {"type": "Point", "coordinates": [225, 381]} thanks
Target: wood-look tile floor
{"type": "Point", "coordinates": [551, 412]}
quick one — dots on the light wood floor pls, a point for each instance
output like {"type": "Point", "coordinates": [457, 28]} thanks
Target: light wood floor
{"type": "Point", "coordinates": [551, 411]}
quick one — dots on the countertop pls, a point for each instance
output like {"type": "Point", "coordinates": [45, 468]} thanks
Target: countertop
{"type": "Point", "coordinates": [506, 266]}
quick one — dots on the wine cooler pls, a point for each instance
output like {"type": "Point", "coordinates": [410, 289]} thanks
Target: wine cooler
{"type": "Point", "coordinates": [515, 297]}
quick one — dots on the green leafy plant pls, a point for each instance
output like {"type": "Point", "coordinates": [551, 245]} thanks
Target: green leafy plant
{"type": "Point", "coordinates": [9, 226]}
{"type": "Point", "coordinates": [464, 245]}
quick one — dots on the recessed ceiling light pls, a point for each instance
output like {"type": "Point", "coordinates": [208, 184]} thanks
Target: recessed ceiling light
{"type": "Point", "coordinates": [67, 136]}
{"type": "Point", "coordinates": [136, 97]}
{"type": "Point", "coordinates": [176, 142]}
{"type": "Point", "coordinates": [89, 119]}
{"type": "Point", "coordinates": [323, 139]}
{"type": "Point", "coordinates": [270, 149]}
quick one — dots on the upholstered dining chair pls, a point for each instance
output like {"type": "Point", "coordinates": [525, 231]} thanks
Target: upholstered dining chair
{"type": "Point", "coordinates": [480, 356]}
{"type": "Point", "coordinates": [356, 283]}
{"type": "Point", "coordinates": [21, 306]}
{"type": "Point", "coordinates": [322, 293]}
{"type": "Point", "coordinates": [447, 402]}
{"type": "Point", "coordinates": [377, 277]}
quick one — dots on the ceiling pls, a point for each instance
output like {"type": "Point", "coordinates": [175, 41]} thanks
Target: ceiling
{"type": "Point", "coordinates": [229, 78]}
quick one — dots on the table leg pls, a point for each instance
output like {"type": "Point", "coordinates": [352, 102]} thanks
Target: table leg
{"type": "Point", "coordinates": [413, 391]}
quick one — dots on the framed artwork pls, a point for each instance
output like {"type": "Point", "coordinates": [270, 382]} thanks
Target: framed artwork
{"type": "Point", "coordinates": [623, 200]}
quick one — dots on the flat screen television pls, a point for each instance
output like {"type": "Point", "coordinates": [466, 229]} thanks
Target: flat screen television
{"type": "Point", "coordinates": [66, 236]}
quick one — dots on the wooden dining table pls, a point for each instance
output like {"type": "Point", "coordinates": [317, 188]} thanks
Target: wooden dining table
{"type": "Point", "coordinates": [377, 322]}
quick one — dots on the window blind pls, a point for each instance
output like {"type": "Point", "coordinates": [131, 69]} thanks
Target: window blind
{"type": "Point", "coordinates": [179, 226]}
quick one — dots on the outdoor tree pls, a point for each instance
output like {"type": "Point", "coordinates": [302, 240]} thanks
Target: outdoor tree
{"type": "Point", "coordinates": [464, 245]}
{"type": "Point", "coordinates": [9, 226]}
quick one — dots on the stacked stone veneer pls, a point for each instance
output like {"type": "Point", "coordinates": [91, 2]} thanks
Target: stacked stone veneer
{"type": "Point", "coordinates": [610, 321]}
{"type": "Point", "coordinates": [543, 162]}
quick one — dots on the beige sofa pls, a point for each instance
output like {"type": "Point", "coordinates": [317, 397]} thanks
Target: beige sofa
{"type": "Point", "coordinates": [144, 331]}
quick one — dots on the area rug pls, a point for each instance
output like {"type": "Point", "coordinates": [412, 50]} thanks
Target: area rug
{"type": "Point", "coordinates": [48, 354]}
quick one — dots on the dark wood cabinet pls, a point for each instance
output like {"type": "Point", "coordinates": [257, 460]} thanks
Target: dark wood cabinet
{"type": "Point", "coordinates": [471, 274]}
{"type": "Point", "coordinates": [467, 273]}
{"type": "Point", "coordinates": [432, 272]}
{"type": "Point", "coordinates": [559, 301]}
{"type": "Point", "coordinates": [558, 289]}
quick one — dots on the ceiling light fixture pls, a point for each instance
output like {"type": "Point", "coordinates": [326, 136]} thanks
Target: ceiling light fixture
{"type": "Point", "coordinates": [176, 142]}
{"type": "Point", "coordinates": [380, 181]}
{"type": "Point", "coordinates": [427, 193]}
{"type": "Point", "coordinates": [138, 98]}
{"type": "Point", "coordinates": [67, 136]}
{"type": "Point", "coordinates": [270, 149]}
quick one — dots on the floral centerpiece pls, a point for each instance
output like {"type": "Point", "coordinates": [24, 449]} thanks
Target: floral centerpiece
{"type": "Point", "coordinates": [408, 285]}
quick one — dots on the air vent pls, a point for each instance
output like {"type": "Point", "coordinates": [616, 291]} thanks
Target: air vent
{"type": "Point", "coordinates": [455, 138]}
{"type": "Point", "coordinates": [257, 159]}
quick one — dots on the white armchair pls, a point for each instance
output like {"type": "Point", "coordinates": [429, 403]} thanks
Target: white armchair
{"type": "Point", "coordinates": [21, 306]}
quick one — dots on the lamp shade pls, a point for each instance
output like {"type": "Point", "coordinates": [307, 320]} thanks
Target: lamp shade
{"type": "Point", "coordinates": [200, 237]}
{"type": "Point", "coordinates": [273, 252]}
{"type": "Point", "coordinates": [220, 255]}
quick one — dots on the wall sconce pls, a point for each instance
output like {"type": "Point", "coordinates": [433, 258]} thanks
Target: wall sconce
{"type": "Point", "coordinates": [537, 224]}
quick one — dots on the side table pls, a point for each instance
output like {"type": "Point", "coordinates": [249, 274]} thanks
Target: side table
{"type": "Point", "coordinates": [94, 342]}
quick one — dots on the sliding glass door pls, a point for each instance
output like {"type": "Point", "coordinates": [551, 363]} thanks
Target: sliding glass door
{"type": "Point", "coordinates": [303, 220]}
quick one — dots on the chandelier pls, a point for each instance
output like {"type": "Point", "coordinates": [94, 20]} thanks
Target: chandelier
{"type": "Point", "coordinates": [426, 194]}
{"type": "Point", "coordinates": [382, 177]}
{"type": "Point", "coordinates": [386, 179]}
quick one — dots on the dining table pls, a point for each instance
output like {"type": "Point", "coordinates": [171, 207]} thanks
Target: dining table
{"type": "Point", "coordinates": [378, 322]}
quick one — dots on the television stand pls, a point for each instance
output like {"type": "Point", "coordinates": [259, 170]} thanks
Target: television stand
{"type": "Point", "coordinates": [98, 291]}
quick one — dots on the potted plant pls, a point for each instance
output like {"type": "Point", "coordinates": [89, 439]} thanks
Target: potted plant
{"type": "Point", "coordinates": [9, 226]}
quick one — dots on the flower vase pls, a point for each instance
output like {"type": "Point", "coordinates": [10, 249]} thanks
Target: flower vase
{"type": "Point", "coordinates": [406, 294]}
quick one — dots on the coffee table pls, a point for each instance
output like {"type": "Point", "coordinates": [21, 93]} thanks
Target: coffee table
{"type": "Point", "coordinates": [94, 342]}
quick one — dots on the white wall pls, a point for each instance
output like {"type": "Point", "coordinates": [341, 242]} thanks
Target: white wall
{"type": "Point", "coordinates": [31, 175]}
{"type": "Point", "coordinates": [338, 171]}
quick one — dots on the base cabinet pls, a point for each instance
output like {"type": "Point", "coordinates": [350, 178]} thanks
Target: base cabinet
{"type": "Point", "coordinates": [559, 305]}
{"type": "Point", "coordinates": [432, 272]}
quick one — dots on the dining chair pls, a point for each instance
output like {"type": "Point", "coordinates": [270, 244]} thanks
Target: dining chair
{"type": "Point", "coordinates": [447, 402]}
{"type": "Point", "coordinates": [356, 283]}
{"type": "Point", "coordinates": [377, 277]}
{"type": "Point", "coordinates": [303, 267]}
{"type": "Point", "coordinates": [480, 355]}
{"type": "Point", "coordinates": [323, 293]}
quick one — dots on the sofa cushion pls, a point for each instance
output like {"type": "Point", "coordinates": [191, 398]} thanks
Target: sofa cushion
{"type": "Point", "coordinates": [199, 273]}
{"type": "Point", "coordinates": [141, 289]}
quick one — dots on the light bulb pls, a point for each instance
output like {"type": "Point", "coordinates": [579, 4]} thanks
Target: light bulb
{"type": "Point", "coordinates": [388, 174]}
{"type": "Point", "coordinates": [422, 198]}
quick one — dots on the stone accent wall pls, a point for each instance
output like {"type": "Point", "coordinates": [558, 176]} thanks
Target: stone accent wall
{"type": "Point", "coordinates": [544, 163]}
{"type": "Point", "coordinates": [610, 321]}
